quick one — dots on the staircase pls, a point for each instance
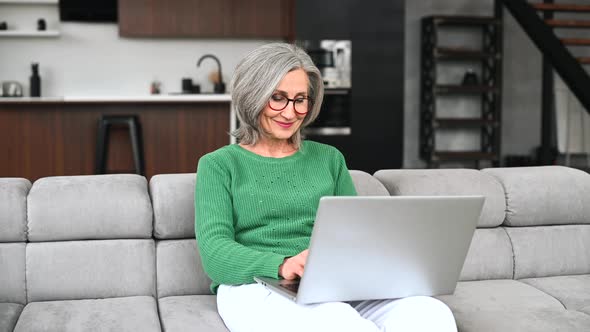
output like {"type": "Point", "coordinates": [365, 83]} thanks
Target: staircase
{"type": "Point", "coordinates": [550, 35]}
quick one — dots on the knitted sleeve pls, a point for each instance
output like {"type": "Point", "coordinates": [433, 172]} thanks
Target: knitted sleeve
{"type": "Point", "coordinates": [344, 184]}
{"type": "Point", "coordinates": [224, 260]}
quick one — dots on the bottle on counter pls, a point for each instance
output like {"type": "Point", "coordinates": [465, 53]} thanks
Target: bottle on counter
{"type": "Point", "coordinates": [35, 81]}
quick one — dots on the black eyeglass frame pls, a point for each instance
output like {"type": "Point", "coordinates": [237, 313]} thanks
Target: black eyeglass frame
{"type": "Point", "coordinates": [309, 99]}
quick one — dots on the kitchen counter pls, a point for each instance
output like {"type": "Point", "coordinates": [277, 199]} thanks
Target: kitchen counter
{"type": "Point", "coordinates": [122, 99]}
{"type": "Point", "coordinates": [51, 136]}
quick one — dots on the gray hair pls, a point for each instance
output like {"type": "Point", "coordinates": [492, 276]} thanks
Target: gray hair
{"type": "Point", "coordinates": [257, 76]}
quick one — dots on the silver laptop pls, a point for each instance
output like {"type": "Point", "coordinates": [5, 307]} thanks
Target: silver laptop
{"type": "Point", "coordinates": [384, 247]}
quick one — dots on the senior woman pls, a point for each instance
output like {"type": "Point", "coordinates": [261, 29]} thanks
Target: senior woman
{"type": "Point", "coordinates": [256, 201]}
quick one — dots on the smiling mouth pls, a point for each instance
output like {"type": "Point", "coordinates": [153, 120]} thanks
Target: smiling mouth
{"type": "Point", "coordinates": [284, 124]}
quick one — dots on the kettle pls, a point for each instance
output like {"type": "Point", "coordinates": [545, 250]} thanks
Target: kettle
{"type": "Point", "coordinates": [12, 89]}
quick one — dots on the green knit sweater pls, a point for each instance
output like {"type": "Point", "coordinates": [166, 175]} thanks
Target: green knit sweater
{"type": "Point", "coordinates": [251, 212]}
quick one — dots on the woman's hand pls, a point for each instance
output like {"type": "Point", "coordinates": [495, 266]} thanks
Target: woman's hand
{"type": "Point", "coordinates": [293, 267]}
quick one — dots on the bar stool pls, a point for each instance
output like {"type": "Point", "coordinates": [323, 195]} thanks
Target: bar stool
{"type": "Point", "coordinates": [102, 143]}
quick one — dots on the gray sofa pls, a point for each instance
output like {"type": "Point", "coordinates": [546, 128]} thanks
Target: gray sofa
{"type": "Point", "coordinates": [111, 252]}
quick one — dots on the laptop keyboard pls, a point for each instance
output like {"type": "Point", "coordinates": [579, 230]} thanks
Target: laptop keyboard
{"type": "Point", "coordinates": [292, 285]}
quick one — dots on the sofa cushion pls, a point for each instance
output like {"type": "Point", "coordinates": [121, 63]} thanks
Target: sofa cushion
{"type": "Point", "coordinates": [12, 273]}
{"type": "Point", "coordinates": [9, 313]}
{"type": "Point", "coordinates": [498, 295]}
{"type": "Point", "coordinates": [546, 195]}
{"type": "Point", "coordinates": [13, 209]}
{"type": "Point", "coordinates": [550, 250]}
{"type": "Point", "coordinates": [572, 291]}
{"type": "Point", "coordinates": [489, 257]}
{"type": "Point", "coordinates": [90, 269]}
{"type": "Point", "coordinates": [116, 314]}
{"type": "Point", "coordinates": [522, 320]}
{"type": "Point", "coordinates": [367, 185]}
{"type": "Point", "coordinates": [179, 269]}
{"type": "Point", "coordinates": [190, 313]}
{"type": "Point", "coordinates": [89, 207]}
{"type": "Point", "coordinates": [509, 305]}
{"type": "Point", "coordinates": [173, 198]}
{"type": "Point", "coordinates": [449, 182]}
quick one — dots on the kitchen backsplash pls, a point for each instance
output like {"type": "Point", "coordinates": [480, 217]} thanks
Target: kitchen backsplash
{"type": "Point", "coordinates": [92, 60]}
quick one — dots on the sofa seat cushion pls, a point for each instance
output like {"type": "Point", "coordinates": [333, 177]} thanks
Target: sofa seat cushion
{"type": "Point", "coordinates": [523, 320]}
{"type": "Point", "coordinates": [498, 295]}
{"type": "Point", "coordinates": [572, 291]}
{"type": "Point", "coordinates": [488, 305]}
{"type": "Point", "coordinates": [9, 313]}
{"type": "Point", "coordinates": [190, 313]}
{"type": "Point", "coordinates": [112, 314]}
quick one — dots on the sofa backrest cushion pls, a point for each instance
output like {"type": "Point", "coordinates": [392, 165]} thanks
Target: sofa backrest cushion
{"type": "Point", "coordinates": [546, 195]}
{"type": "Point", "coordinates": [547, 251]}
{"type": "Point", "coordinates": [12, 273]}
{"type": "Point", "coordinates": [489, 256]}
{"type": "Point", "coordinates": [73, 270]}
{"type": "Point", "coordinates": [179, 269]}
{"type": "Point", "coordinates": [13, 209]}
{"type": "Point", "coordinates": [174, 206]}
{"type": "Point", "coordinates": [89, 207]}
{"type": "Point", "coordinates": [367, 185]}
{"type": "Point", "coordinates": [449, 182]}
{"type": "Point", "coordinates": [173, 199]}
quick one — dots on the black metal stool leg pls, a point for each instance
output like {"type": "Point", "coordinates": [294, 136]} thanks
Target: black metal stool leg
{"type": "Point", "coordinates": [102, 145]}
{"type": "Point", "coordinates": [136, 145]}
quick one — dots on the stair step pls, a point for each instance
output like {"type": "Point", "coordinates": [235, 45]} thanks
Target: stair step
{"type": "Point", "coordinates": [459, 53]}
{"type": "Point", "coordinates": [584, 60]}
{"type": "Point", "coordinates": [463, 89]}
{"type": "Point", "coordinates": [463, 20]}
{"type": "Point", "coordinates": [561, 7]}
{"type": "Point", "coordinates": [571, 24]}
{"type": "Point", "coordinates": [463, 122]}
{"type": "Point", "coordinates": [462, 155]}
{"type": "Point", "coordinates": [575, 41]}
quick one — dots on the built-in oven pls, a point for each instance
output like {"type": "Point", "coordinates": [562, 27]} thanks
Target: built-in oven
{"type": "Point", "coordinates": [333, 58]}
{"type": "Point", "coordinates": [334, 117]}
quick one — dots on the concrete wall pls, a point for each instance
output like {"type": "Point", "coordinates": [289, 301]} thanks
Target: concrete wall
{"type": "Point", "coordinates": [522, 82]}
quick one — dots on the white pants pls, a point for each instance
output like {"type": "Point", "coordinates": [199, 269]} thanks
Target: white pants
{"type": "Point", "coordinates": [253, 308]}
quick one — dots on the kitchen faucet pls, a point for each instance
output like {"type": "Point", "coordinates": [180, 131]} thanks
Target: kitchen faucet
{"type": "Point", "coordinates": [219, 86]}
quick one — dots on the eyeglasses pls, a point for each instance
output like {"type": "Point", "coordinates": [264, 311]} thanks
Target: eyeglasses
{"type": "Point", "coordinates": [278, 102]}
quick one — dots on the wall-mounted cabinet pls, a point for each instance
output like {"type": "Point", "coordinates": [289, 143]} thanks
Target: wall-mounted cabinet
{"type": "Point", "coordinates": [207, 19]}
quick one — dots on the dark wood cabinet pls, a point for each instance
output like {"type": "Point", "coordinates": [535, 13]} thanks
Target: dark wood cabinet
{"type": "Point", "coordinates": [55, 138]}
{"type": "Point", "coordinates": [206, 18]}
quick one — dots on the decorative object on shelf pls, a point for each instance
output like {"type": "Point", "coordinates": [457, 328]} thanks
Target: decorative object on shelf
{"type": "Point", "coordinates": [218, 85]}
{"type": "Point", "coordinates": [3, 25]}
{"type": "Point", "coordinates": [41, 25]}
{"type": "Point", "coordinates": [12, 89]}
{"type": "Point", "coordinates": [35, 81]}
{"type": "Point", "coordinates": [155, 87]}
{"type": "Point", "coordinates": [470, 78]}
{"type": "Point", "coordinates": [189, 87]}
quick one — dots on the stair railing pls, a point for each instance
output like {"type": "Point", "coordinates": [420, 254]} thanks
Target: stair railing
{"type": "Point", "coordinates": [566, 65]}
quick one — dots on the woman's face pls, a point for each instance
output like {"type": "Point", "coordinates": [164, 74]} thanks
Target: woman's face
{"type": "Point", "coordinates": [282, 124]}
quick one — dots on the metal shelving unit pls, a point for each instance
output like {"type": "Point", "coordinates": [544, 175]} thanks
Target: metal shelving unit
{"type": "Point", "coordinates": [489, 89]}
